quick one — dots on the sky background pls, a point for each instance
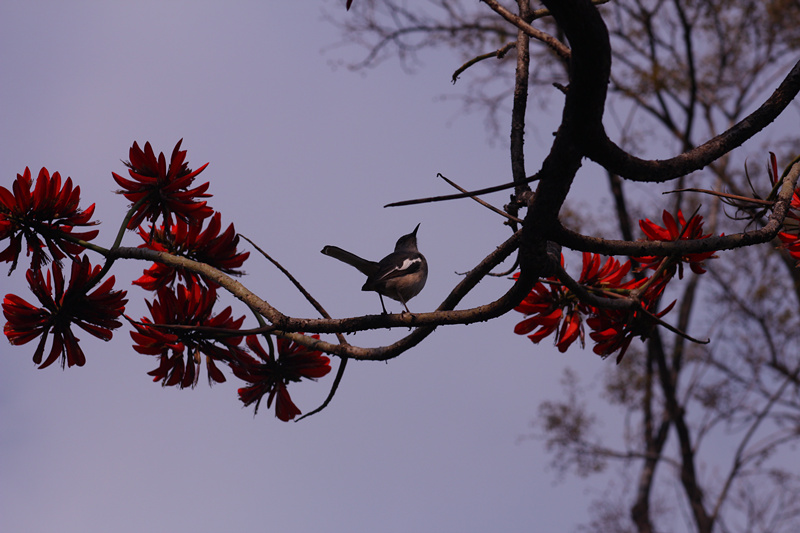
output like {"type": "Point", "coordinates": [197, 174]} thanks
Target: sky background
{"type": "Point", "coordinates": [302, 153]}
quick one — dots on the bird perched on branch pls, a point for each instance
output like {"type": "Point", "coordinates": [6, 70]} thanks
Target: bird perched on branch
{"type": "Point", "coordinates": [401, 275]}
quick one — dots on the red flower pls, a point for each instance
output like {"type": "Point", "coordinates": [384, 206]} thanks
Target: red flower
{"type": "Point", "coordinates": [206, 246]}
{"type": "Point", "coordinates": [165, 191]}
{"type": "Point", "coordinates": [44, 217]}
{"type": "Point", "coordinates": [554, 308]}
{"type": "Point", "coordinates": [609, 276]}
{"type": "Point", "coordinates": [270, 375]}
{"type": "Point", "coordinates": [791, 243]}
{"type": "Point", "coordinates": [791, 224]}
{"type": "Point", "coordinates": [95, 313]}
{"type": "Point", "coordinates": [613, 330]}
{"type": "Point", "coordinates": [545, 304]}
{"type": "Point", "coordinates": [673, 231]}
{"type": "Point", "coordinates": [186, 306]}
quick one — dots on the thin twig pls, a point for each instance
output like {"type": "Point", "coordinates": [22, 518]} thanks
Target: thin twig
{"type": "Point", "coordinates": [499, 54]}
{"type": "Point", "coordinates": [557, 46]}
{"type": "Point", "coordinates": [507, 272]}
{"type": "Point", "coordinates": [321, 310]}
{"type": "Point", "coordinates": [332, 393]}
{"type": "Point", "coordinates": [482, 202]}
{"type": "Point", "coordinates": [671, 328]}
{"type": "Point", "coordinates": [291, 278]}
{"type": "Point", "coordinates": [725, 195]}
{"type": "Point", "coordinates": [468, 194]}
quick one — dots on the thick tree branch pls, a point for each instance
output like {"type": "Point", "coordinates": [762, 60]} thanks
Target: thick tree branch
{"type": "Point", "coordinates": [424, 323]}
{"type": "Point", "coordinates": [589, 68]}
{"type": "Point", "coordinates": [604, 152]}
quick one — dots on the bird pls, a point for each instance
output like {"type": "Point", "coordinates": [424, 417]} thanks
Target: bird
{"type": "Point", "coordinates": [401, 275]}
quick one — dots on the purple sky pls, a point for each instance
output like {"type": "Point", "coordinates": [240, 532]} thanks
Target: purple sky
{"type": "Point", "coordinates": [301, 155]}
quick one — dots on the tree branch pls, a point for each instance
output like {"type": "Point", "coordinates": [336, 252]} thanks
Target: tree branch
{"type": "Point", "coordinates": [584, 243]}
{"type": "Point", "coordinates": [557, 46]}
{"type": "Point", "coordinates": [424, 323]}
{"type": "Point", "coordinates": [604, 152]}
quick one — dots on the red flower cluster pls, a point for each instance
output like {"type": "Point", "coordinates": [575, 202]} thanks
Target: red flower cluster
{"type": "Point", "coordinates": [207, 246]}
{"type": "Point", "coordinates": [181, 329]}
{"type": "Point", "coordinates": [163, 191]}
{"type": "Point", "coordinates": [613, 330]}
{"type": "Point", "coordinates": [270, 375]}
{"type": "Point", "coordinates": [553, 308]}
{"type": "Point", "coordinates": [674, 231]}
{"type": "Point", "coordinates": [45, 216]}
{"type": "Point", "coordinates": [791, 236]}
{"type": "Point", "coordinates": [95, 313]}
{"type": "Point", "coordinates": [556, 309]}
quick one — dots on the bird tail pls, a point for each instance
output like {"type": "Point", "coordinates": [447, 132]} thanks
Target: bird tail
{"type": "Point", "coordinates": [366, 267]}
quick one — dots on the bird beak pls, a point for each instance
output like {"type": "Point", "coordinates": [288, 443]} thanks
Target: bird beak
{"type": "Point", "coordinates": [414, 233]}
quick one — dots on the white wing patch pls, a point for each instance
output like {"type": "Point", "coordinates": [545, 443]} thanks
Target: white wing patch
{"type": "Point", "coordinates": [408, 263]}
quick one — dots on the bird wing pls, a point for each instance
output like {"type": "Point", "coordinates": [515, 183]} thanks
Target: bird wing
{"type": "Point", "coordinates": [392, 267]}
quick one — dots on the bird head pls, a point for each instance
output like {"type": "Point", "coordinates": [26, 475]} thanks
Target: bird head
{"type": "Point", "coordinates": [407, 242]}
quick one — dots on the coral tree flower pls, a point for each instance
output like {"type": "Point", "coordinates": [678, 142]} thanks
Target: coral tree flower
{"type": "Point", "coordinates": [554, 308]}
{"type": "Point", "coordinates": [164, 190]}
{"type": "Point", "coordinates": [675, 230]}
{"type": "Point", "coordinates": [270, 376]}
{"type": "Point", "coordinates": [545, 306]}
{"type": "Point", "coordinates": [613, 329]}
{"type": "Point", "coordinates": [96, 312]}
{"type": "Point", "coordinates": [180, 348]}
{"type": "Point", "coordinates": [791, 224]}
{"type": "Point", "coordinates": [45, 216]}
{"type": "Point", "coordinates": [207, 246]}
